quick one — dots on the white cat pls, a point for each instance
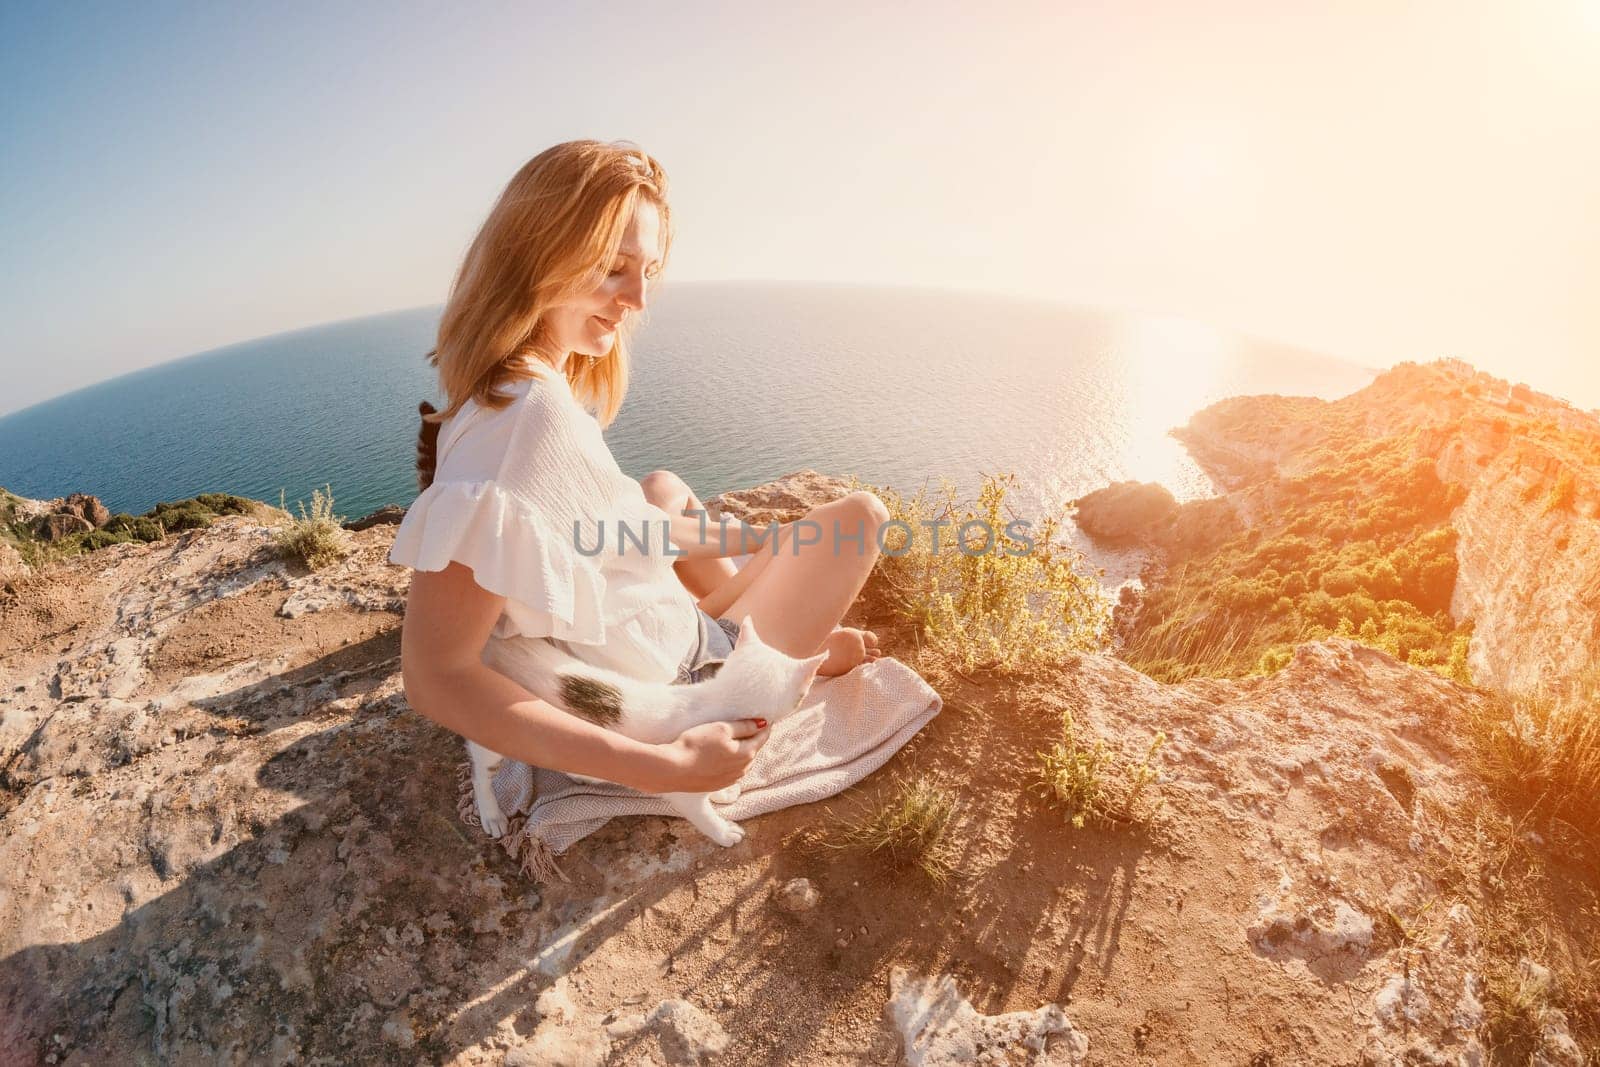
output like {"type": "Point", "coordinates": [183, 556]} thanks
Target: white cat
{"type": "Point", "coordinates": [756, 680]}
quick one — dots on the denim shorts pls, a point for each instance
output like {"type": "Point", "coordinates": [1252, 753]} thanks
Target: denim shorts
{"type": "Point", "coordinates": [713, 644]}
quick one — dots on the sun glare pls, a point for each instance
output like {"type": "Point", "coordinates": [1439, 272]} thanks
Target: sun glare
{"type": "Point", "coordinates": [1174, 367]}
{"type": "Point", "coordinates": [1195, 158]}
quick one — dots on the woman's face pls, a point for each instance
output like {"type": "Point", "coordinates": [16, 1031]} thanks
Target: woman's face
{"type": "Point", "coordinates": [588, 325]}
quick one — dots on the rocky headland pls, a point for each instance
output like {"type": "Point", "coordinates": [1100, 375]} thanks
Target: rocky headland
{"type": "Point", "coordinates": [225, 837]}
{"type": "Point", "coordinates": [1503, 481]}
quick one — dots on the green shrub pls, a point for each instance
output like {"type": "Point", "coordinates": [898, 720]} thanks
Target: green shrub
{"type": "Point", "coordinates": [1274, 659]}
{"type": "Point", "coordinates": [909, 827]}
{"type": "Point", "coordinates": [1094, 785]}
{"type": "Point", "coordinates": [317, 538]}
{"type": "Point", "coordinates": [1362, 549]}
{"type": "Point", "coordinates": [138, 528]}
{"type": "Point", "coordinates": [165, 518]}
{"type": "Point", "coordinates": [226, 503]}
{"type": "Point", "coordinates": [93, 539]}
{"type": "Point", "coordinates": [143, 529]}
{"type": "Point", "coordinates": [1003, 607]}
{"type": "Point", "coordinates": [181, 515]}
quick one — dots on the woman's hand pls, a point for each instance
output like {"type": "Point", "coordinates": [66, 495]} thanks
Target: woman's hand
{"type": "Point", "coordinates": [708, 757]}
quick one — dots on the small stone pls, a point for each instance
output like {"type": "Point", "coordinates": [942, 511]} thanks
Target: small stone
{"type": "Point", "coordinates": [397, 1031]}
{"type": "Point", "coordinates": [796, 895]}
{"type": "Point", "coordinates": [841, 943]}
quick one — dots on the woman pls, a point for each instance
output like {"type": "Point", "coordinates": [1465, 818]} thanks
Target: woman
{"type": "Point", "coordinates": [533, 337]}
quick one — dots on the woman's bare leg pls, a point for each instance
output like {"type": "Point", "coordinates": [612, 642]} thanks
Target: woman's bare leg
{"type": "Point", "coordinates": [672, 494]}
{"type": "Point", "coordinates": [720, 586]}
{"type": "Point", "coordinates": [798, 595]}
{"type": "Point", "coordinates": [717, 602]}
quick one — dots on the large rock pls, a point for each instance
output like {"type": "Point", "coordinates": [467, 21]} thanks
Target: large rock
{"type": "Point", "coordinates": [1125, 512]}
{"type": "Point", "coordinates": [388, 515]}
{"type": "Point", "coordinates": [941, 1028]}
{"type": "Point", "coordinates": [60, 524]}
{"type": "Point", "coordinates": [1528, 572]}
{"type": "Point", "coordinates": [51, 520]}
{"type": "Point", "coordinates": [88, 508]}
{"type": "Point", "coordinates": [21, 509]}
{"type": "Point", "coordinates": [785, 499]}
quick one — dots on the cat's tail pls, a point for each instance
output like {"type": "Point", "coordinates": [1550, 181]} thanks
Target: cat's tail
{"type": "Point", "coordinates": [643, 711]}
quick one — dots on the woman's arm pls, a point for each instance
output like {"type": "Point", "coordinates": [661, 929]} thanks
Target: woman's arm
{"type": "Point", "coordinates": [448, 620]}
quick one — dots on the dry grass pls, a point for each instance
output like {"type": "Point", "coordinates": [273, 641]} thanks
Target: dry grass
{"type": "Point", "coordinates": [317, 538]}
{"type": "Point", "coordinates": [1537, 916]}
{"type": "Point", "coordinates": [1541, 753]}
{"type": "Point", "coordinates": [987, 589]}
{"type": "Point", "coordinates": [1198, 642]}
{"type": "Point", "coordinates": [1094, 785]}
{"type": "Point", "coordinates": [1515, 1002]}
{"type": "Point", "coordinates": [909, 827]}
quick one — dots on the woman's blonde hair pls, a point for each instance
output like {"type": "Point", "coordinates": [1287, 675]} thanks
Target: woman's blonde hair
{"type": "Point", "coordinates": [549, 238]}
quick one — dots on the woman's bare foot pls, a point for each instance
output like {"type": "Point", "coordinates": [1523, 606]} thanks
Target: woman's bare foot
{"type": "Point", "coordinates": [847, 648]}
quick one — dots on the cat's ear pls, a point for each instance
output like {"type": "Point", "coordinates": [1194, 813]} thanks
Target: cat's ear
{"type": "Point", "coordinates": [812, 664]}
{"type": "Point", "coordinates": [747, 632]}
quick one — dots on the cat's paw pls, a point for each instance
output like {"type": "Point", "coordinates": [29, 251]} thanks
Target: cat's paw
{"type": "Point", "coordinates": [727, 835]}
{"type": "Point", "coordinates": [727, 795]}
{"type": "Point", "coordinates": [495, 824]}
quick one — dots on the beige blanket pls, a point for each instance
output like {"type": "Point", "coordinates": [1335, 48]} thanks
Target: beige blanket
{"type": "Point", "coordinates": [847, 728]}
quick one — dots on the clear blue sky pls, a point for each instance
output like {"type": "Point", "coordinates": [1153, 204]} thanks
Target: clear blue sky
{"type": "Point", "coordinates": [1380, 180]}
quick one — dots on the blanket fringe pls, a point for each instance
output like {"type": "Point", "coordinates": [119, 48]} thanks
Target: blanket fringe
{"type": "Point", "coordinates": [536, 859]}
{"type": "Point", "coordinates": [532, 854]}
{"type": "Point", "coordinates": [466, 804]}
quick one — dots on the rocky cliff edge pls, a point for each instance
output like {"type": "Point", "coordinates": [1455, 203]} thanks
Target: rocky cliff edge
{"type": "Point", "coordinates": [226, 838]}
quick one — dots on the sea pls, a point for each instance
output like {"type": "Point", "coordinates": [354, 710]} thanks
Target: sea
{"type": "Point", "coordinates": [733, 384]}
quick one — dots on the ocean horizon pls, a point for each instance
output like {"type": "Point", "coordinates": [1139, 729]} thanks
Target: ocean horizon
{"type": "Point", "coordinates": [733, 384]}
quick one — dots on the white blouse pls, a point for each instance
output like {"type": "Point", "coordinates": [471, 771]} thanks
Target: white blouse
{"type": "Point", "coordinates": [524, 496]}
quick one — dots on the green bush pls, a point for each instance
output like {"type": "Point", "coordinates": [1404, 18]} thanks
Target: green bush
{"type": "Point", "coordinates": [1004, 607]}
{"type": "Point", "coordinates": [165, 518]}
{"type": "Point", "coordinates": [225, 503]}
{"type": "Point", "coordinates": [90, 540]}
{"type": "Point", "coordinates": [1094, 785]}
{"type": "Point", "coordinates": [1361, 548]}
{"type": "Point", "coordinates": [317, 538]}
{"type": "Point", "coordinates": [138, 528]}
{"type": "Point", "coordinates": [182, 515]}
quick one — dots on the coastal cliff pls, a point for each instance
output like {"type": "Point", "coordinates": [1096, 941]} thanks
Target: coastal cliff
{"type": "Point", "coordinates": [1510, 475]}
{"type": "Point", "coordinates": [227, 838]}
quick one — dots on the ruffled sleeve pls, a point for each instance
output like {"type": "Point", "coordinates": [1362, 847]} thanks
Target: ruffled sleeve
{"type": "Point", "coordinates": [552, 590]}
